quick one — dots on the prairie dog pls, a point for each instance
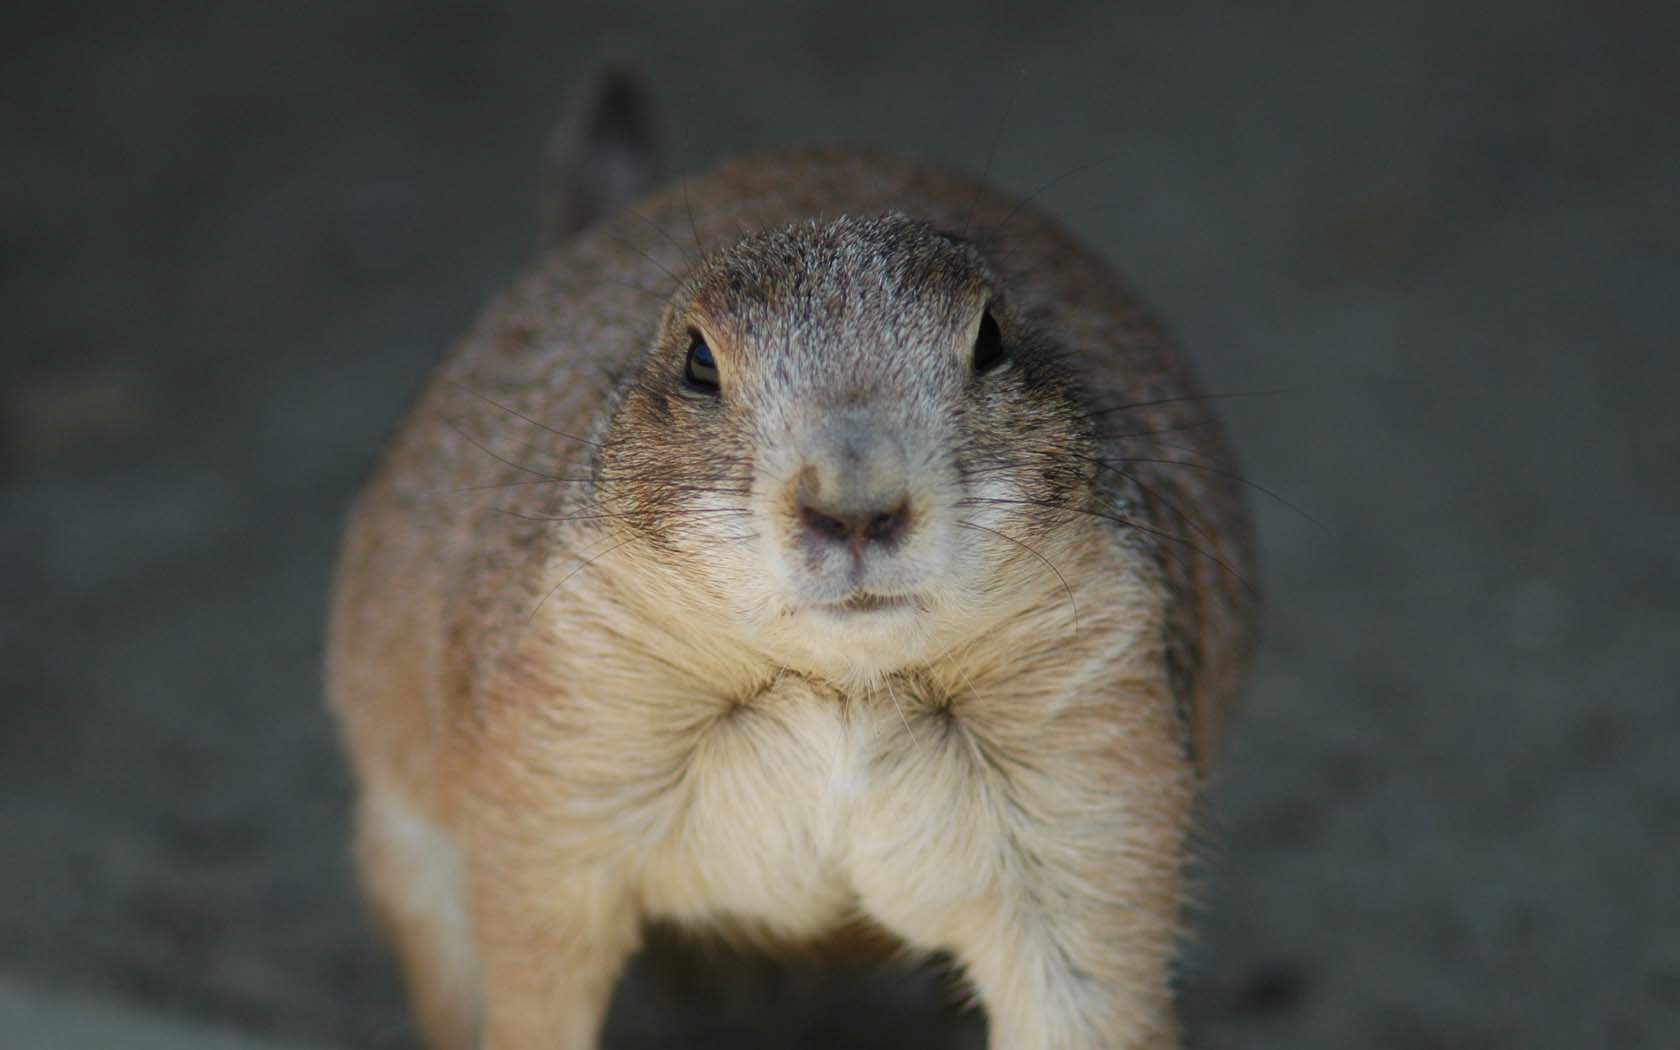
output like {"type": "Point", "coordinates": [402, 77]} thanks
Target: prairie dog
{"type": "Point", "coordinates": [827, 537]}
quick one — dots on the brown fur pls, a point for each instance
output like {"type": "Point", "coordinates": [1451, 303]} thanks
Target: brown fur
{"type": "Point", "coordinates": [578, 696]}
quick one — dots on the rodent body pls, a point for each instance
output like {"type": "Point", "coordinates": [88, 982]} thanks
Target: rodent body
{"type": "Point", "coordinates": [893, 610]}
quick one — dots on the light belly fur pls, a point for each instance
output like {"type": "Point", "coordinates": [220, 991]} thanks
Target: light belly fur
{"type": "Point", "coordinates": [771, 805]}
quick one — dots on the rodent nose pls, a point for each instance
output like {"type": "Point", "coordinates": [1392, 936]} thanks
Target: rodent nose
{"type": "Point", "coordinates": [856, 528]}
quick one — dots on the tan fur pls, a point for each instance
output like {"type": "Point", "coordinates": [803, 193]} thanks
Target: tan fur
{"type": "Point", "coordinates": [577, 694]}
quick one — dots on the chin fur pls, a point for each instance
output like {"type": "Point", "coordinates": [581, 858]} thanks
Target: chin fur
{"type": "Point", "coordinates": [853, 650]}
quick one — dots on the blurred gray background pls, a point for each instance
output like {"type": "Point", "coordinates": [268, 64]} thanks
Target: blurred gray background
{"type": "Point", "coordinates": [236, 235]}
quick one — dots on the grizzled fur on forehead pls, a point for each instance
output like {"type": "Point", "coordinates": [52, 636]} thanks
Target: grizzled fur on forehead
{"type": "Point", "coordinates": [850, 279]}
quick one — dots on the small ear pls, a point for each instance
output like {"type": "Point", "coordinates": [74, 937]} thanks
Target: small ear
{"type": "Point", "coordinates": [602, 156]}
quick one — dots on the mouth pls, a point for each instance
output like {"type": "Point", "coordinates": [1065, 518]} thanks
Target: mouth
{"type": "Point", "coordinates": [864, 604]}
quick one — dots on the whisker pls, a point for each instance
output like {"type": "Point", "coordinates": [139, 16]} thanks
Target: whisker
{"type": "Point", "coordinates": [1132, 524]}
{"type": "Point", "coordinates": [1134, 479]}
{"type": "Point", "coordinates": [956, 665]}
{"type": "Point", "coordinates": [626, 242]}
{"type": "Point", "coordinates": [1191, 464]}
{"type": "Point", "coordinates": [901, 716]}
{"type": "Point", "coordinates": [1072, 603]}
{"type": "Point", "coordinates": [475, 443]}
{"type": "Point", "coordinates": [500, 485]}
{"type": "Point", "coordinates": [1186, 449]}
{"type": "Point", "coordinates": [607, 481]}
{"type": "Point", "coordinates": [1050, 183]}
{"type": "Point", "coordinates": [616, 515]}
{"type": "Point", "coordinates": [1198, 425]}
{"type": "Point", "coordinates": [991, 150]}
{"type": "Point", "coordinates": [520, 415]}
{"type": "Point", "coordinates": [670, 489]}
{"type": "Point", "coordinates": [663, 232]}
{"type": "Point", "coordinates": [654, 293]}
{"type": "Point", "coordinates": [1154, 495]}
{"type": "Point", "coordinates": [1238, 478]}
{"type": "Point", "coordinates": [1194, 397]}
{"type": "Point", "coordinates": [693, 227]}
{"type": "Point", "coordinates": [544, 600]}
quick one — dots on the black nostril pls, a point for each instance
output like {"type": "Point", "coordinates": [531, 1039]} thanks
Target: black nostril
{"type": "Point", "coordinates": [883, 527]}
{"type": "Point", "coordinates": [886, 526]}
{"type": "Point", "coordinates": [824, 525]}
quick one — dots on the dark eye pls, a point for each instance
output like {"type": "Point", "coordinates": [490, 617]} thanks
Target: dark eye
{"type": "Point", "coordinates": [701, 369]}
{"type": "Point", "coordinates": [988, 345]}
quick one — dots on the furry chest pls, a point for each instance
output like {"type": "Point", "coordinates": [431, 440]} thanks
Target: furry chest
{"type": "Point", "coordinates": [774, 802]}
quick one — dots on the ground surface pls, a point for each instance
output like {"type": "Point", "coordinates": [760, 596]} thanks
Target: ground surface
{"type": "Point", "coordinates": [236, 235]}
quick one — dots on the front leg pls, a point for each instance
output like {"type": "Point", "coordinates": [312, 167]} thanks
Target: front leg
{"type": "Point", "coordinates": [1048, 983]}
{"type": "Point", "coordinates": [1046, 857]}
{"type": "Point", "coordinates": [550, 950]}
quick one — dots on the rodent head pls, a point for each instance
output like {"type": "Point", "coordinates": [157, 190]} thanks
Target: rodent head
{"type": "Point", "coordinates": [847, 446]}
